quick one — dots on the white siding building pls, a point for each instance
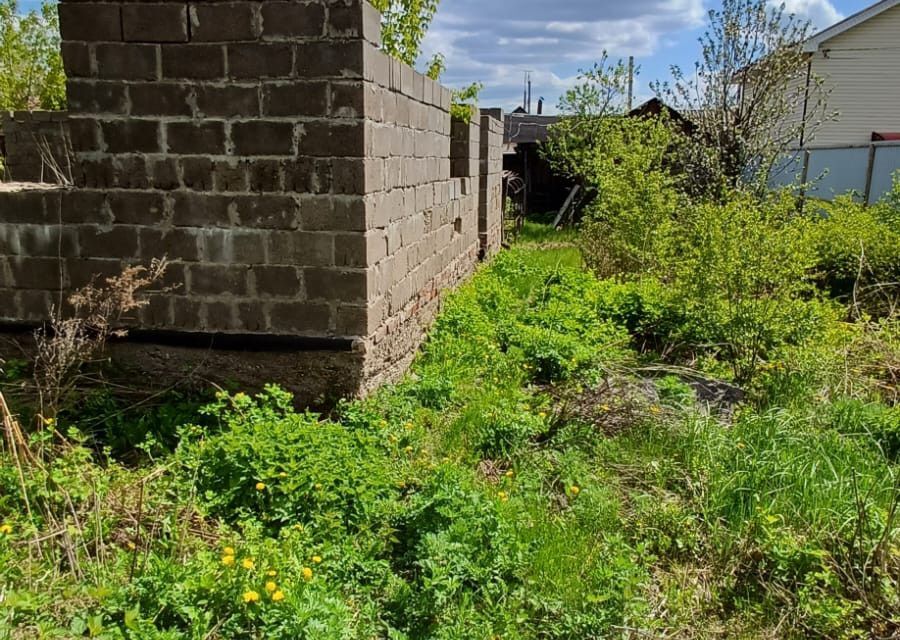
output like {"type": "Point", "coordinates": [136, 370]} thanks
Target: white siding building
{"type": "Point", "coordinates": [859, 61]}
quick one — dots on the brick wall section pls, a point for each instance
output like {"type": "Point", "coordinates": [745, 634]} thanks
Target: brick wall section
{"type": "Point", "coordinates": [490, 185]}
{"type": "Point", "coordinates": [298, 179]}
{"type": "Point", "coordinates": [36, 146]}
{"type": "Point", "coordinates": [422, 223]}
{"type": "Point", "coordinates": [465, 143]}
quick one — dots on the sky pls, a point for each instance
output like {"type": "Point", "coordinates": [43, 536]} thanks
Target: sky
{"type": "Point", "coordinates": [495, 41]}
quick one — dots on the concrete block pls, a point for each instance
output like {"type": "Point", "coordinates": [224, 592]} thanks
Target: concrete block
{"type": "Point", "coordinates": [224, 21]}
{"type": "Point", "coordinates": [152, 22]}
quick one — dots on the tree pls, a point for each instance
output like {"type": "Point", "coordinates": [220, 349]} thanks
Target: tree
{"type": "Point", "coordinates": [404, 25]}
{"type": "Point", "coordinates": [573, 142]}
{"type": "Point", "coordinates": [31, 71]}
{"type": "Point", "coordinates": [751, 96]}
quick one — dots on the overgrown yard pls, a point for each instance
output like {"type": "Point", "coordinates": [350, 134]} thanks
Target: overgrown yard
{"type": "Point", "coordinates": [554, 467]}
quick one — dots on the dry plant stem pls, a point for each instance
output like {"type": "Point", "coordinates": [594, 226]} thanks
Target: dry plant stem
{"type": "Point", "coordinates": [18, 448]}
{"type": "Point", "coordinates": [71, 341]}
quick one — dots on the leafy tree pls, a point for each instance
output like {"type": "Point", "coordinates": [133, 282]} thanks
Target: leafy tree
{"type": "Point", "coordinates": [31, 71]}
{"type": "Point", "coordinates": [751, 95]}
{"type": "Point", "coordinates": [575, 141]}
{"type": "Point", "coordinates": [404, 25]}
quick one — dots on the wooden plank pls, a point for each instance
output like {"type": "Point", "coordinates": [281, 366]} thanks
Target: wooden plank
{"type": "Point", "coordinates": [566, 205]}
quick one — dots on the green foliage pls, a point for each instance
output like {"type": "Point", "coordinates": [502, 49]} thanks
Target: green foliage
{"type": "Point", "coordinates": [741, 273]}
{"type": "Point", "coordinates": [286, 468]}
{"type": "Point", "coordinates": [404, 25]}
{"type": "Point", "coordinates": [856, 244]}
{"type": "Point", "coordinates": [498, 491]}
{"type": "Point", "coordinates": [31, 72]}
{"type": "Point", "coordinates": [464, 105]}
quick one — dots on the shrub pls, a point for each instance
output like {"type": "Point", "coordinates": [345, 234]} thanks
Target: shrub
{"type": "Point", "coordinates": [740, 272]}
{"type": "Point", "coordinates": [856, 243]}
{"type": "Point", "coordinates": [285, 468]}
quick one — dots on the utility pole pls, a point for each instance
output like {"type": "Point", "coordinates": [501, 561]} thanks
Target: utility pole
{"type": "Point", "coordinates": [526, 98]}
{"type": "Point", "coordinates": [630, 82]}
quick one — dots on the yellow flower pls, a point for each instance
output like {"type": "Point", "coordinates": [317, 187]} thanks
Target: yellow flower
{"type": "Point", "coordinates": [248, 563]}
{"type": "Point", "coordinates": [228, 551]}
{"type": "Point", "coordinates": [49, 422]}
{"type": "Point", "coordinates": [251, 596]}
{"type": "Point", "coordinates": [503, 496]}
{"type": "Point", "coordinates": [510, 473]}
{"type": "Point", "coordinates": [542, 414]}
{"type": "Point", "coordinates": [575, 489]}
{"type": "Point", "coordinates": [278, 596]}
{"type": "Point", "coordinates": [307, 573]}
{"type": "Point", "coordinates": [283, 475]}
{"type": "Point", "coordinates": [317, 559]}
{"type": "Point", "coordinates": [260, 486]}
{"type": "Point", "coordinates": [131, 546]}
{"type": "Point", "coordinates": [409, 426]}
{"type": "Point", "coordinates": [271, 573]}
{"type": "Point", "coordinates": [271, 586]}
{"type": "Point", "coordinates": [228, 561]}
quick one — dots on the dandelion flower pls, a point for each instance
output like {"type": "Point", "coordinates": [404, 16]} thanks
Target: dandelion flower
{"type": "Point", "coordinates": [131, 546]}
{"type": "Point", "coordinates": [251, 597]}
{"type": "Point", "coordinates": [271, 587]}
{"type": "Point", "coordinates": [260, 486]}
{"type": "Point", "coordinates": [271, 573]}
{"type": "Point", "coordinates": [503, 496]}
{"type": "Point", "coordinates": [248, 563]}
{"type": "Point", "coordinates": [307, 573]}
{"type": "Point", "coordinates": [228, 551]}
{"type": "Point", "coordinates": [542, 414]}
{"type": "Point", "coordinates": [317, 559]}
{"type": "Point", "coordinates": [278, 596]}
{"type": "Point", "coordinates": [575, 489]}
{"type": "Point", "coordinates": [510, 473]}
{"type": "Point", "coordinates": [283, 475]}
{"type": "Point", "coordinates": [228, 561]}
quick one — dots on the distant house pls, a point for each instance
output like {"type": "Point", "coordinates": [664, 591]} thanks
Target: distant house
{"type": "Point", "coordinates": [858, 60]}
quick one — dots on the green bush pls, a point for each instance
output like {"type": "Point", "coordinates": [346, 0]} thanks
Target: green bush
{"type": "Point", "coordinates": [285, 468]}
{"type": "Point", "coordinates": [854, 242]}
{"type": "Point", "coordinates": [740, 272]}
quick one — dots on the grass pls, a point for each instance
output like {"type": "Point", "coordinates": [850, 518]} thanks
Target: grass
{"type": "Point", "coordinates": [528, 480]}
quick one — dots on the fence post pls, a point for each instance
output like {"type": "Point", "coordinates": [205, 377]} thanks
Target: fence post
{"type": "Point", "coordinates": [869, 170]}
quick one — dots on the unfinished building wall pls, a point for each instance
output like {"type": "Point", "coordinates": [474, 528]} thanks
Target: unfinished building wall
{"type": "Point", "coordinates": [35, 146]}
{"type": "Point", "coordinates": [297, 178]}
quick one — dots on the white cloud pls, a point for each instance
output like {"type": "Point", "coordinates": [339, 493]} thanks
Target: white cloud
{"type": "Point", "coordinates": [820, 13]}
{"type": "Point", "coordinates": [495, 41]}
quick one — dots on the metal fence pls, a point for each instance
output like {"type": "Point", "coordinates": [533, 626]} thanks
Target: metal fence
{"type": "Point", "coordinates": [867, 171]}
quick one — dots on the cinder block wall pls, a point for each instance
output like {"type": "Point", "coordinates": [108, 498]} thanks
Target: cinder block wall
{"type": "Point", "coordinates": [490, 190]}
{"type": "Point", "coordinates": [298, 179]}
{"type": "Point", "coordinates": [35, 145]}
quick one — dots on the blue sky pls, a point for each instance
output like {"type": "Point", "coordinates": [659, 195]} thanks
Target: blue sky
{"type": "Point", "coordinates": [495, 41]}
